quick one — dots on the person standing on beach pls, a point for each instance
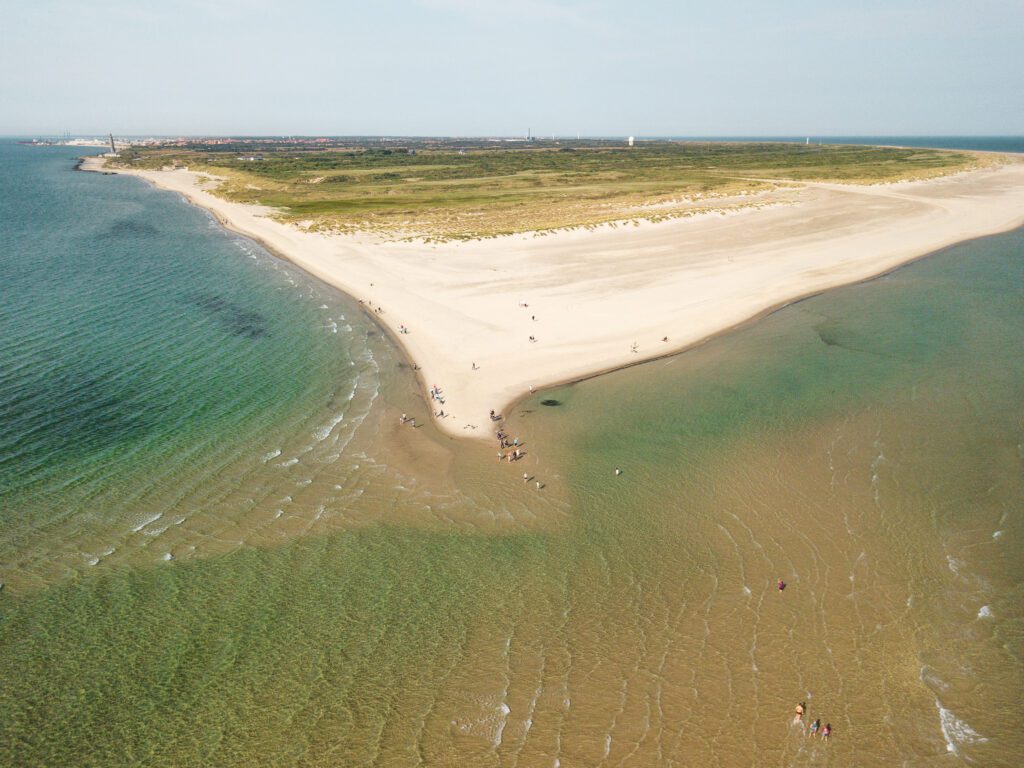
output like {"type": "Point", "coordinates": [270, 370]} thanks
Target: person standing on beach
{"type": "Point", "coordinates": [826, 731]}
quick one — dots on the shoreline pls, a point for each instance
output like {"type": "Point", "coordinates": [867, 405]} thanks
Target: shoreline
{"type": "Point", "coordinates": [700, 277]}
{"type": "Point", "coordinates": [751, 320]}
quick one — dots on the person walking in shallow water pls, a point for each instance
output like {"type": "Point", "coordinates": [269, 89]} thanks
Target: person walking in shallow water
{"type": "Point", "coordinates": [799, 712]}
{"type": "Point", "coordinates": [814, 727]}
{"type": "Point", "coordinates": [826, 732]}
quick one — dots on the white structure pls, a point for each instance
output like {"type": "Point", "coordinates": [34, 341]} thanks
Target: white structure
{"type": "Point", "coordinates": [629, 141]}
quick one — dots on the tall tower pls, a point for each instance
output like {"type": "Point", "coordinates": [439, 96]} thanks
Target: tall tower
{"type": "Point", "coordinates": [113, 151]}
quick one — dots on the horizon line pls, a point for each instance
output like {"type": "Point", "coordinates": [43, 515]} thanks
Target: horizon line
{"type": "Point", "coordinates": [562, 137]}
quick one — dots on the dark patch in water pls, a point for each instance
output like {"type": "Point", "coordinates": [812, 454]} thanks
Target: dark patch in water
{"type": "Point", "coordinates": [69, 411]}
{"type": "Point", "coordinates": [827, 335]}
{"type": "Point", "coordinates": [550, 403]}
{"type": "Point", "coordinates": [130, 228]}
{"type": "Point", "coordinates": [831, 334]}
{"type": "Point", "coordinates": [234, 318]}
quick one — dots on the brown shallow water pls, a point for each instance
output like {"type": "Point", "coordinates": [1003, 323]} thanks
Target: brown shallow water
{"type": "Point", "coordinates": [418, 604]}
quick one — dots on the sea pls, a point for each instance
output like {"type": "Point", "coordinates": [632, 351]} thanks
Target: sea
{"type": "Point", "coordinates": [975, 143]}
{"type": "Point", "coordinates": [218, 547]}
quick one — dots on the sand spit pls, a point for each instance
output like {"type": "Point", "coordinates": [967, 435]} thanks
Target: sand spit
{"type": "Point", "coordinates": [487, 320]}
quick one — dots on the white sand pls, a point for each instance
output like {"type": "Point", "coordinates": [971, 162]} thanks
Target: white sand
{"type": "Point", "coordinates": [596, 293]}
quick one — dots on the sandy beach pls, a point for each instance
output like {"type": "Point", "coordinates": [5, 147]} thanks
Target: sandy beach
{"type": "Point", "coordinates": [488, 320]}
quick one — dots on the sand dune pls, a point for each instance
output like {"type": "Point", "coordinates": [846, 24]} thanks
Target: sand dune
{"type": "Point", "coordinates": [607, 298]}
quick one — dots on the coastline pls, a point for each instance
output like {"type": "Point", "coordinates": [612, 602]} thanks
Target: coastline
{"type": "Point", "coordinates": [607, 299]}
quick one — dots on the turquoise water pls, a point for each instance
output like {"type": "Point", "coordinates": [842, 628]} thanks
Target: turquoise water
{"type": "Point", "coordinates": [341, 592]}
{"type": "Point", "coordinates": [148, 360]}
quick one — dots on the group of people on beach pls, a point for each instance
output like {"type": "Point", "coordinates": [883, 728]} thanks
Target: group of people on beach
{"type": "Point", "coordinates": [816, 728]}
{"type": "Point", "coordinates": [438, 396]}
{"type": "Point", "coordinates": [435, 395]}
{"type": "Point", "coordinates": [504, 443]}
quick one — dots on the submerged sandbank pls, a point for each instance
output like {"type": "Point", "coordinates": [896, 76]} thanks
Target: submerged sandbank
{"type": "Point", "coordinates": [487, 320]}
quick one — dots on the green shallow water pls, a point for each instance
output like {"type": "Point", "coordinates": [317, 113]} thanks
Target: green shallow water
{"type": "Point", "coordinates": [329, 649]}
{"type": "Point", "coordinates": [155, 372]}
{"type": "Point", "coordinates": [864, 445]}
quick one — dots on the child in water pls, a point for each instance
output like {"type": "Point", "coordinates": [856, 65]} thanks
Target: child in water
{"type": "Point", "coordinates": [826, 731]}
{"type": "Point", "coordinates": [814, 727]}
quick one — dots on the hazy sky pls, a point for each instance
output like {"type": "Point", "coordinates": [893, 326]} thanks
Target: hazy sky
{"type": "Point", "coordinates": [475, 67]}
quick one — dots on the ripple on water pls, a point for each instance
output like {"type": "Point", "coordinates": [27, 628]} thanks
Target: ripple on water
{"type": "Point", "coordinates": [955, 731]}
{"type": "Point", "coordinates": [147, 521]}
{"type": "Point", "coordinates": [322, 433]}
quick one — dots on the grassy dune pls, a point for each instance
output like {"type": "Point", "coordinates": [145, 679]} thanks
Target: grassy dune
{"type": "Point", "coordinates": [443, 190]}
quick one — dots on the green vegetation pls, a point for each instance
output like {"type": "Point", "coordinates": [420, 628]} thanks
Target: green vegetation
{"type": "Point", "coordinates": [446, 190]}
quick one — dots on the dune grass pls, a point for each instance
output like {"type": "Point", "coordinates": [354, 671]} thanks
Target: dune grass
{"type": "Point", "coordinates": [440, 190]}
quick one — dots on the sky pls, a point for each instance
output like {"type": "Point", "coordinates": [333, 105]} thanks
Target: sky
{"type": "Point", "coordinates": [486, 67]}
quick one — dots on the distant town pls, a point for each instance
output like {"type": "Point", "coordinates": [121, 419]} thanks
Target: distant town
{"type": "Point", "coordinates": [254, 145]}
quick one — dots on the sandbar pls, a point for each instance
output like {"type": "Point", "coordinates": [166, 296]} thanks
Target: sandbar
{"type": "Point", "coordinates": [488, 320]}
